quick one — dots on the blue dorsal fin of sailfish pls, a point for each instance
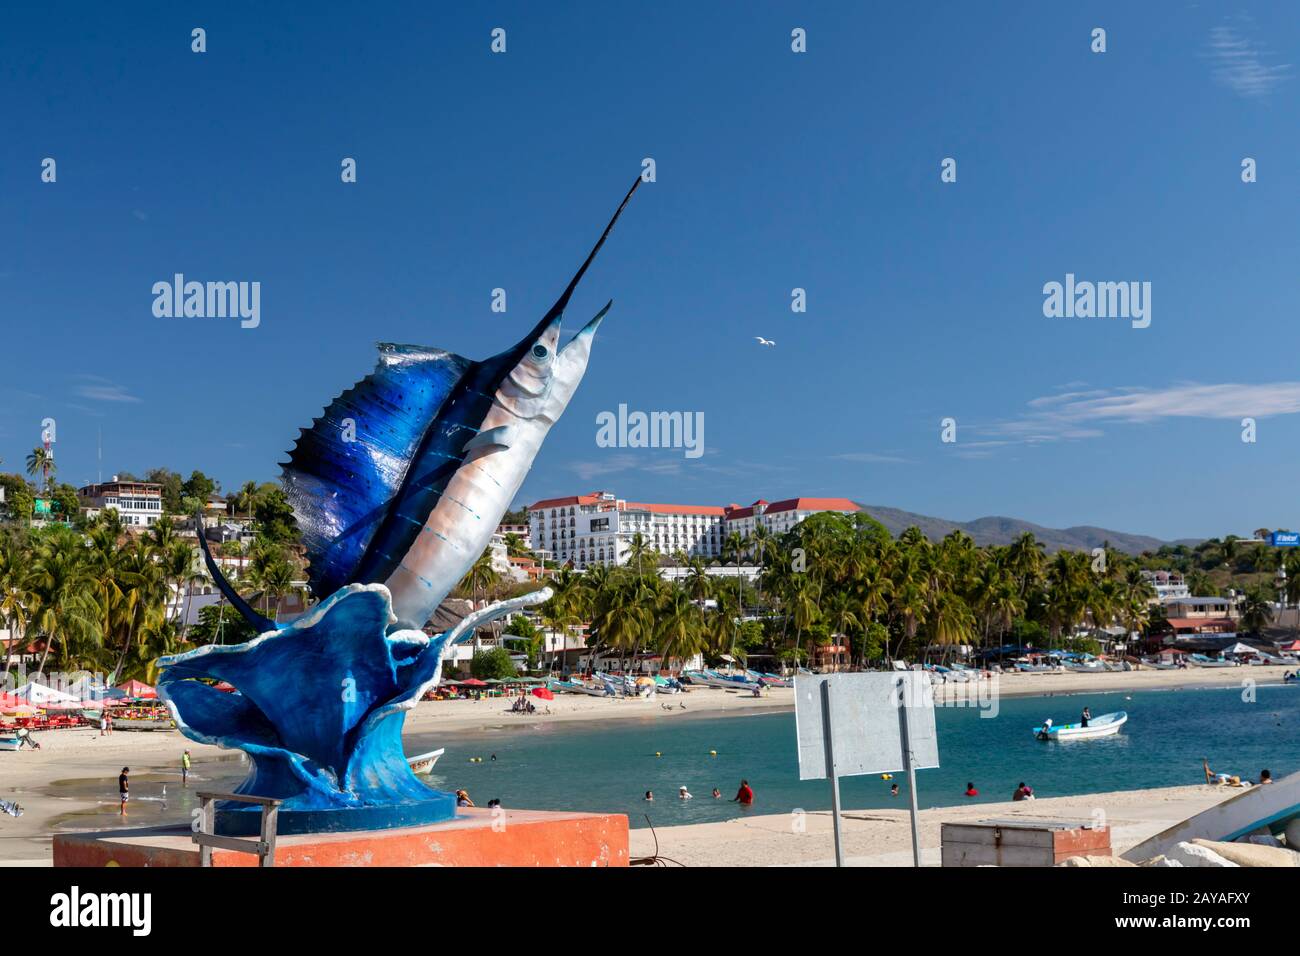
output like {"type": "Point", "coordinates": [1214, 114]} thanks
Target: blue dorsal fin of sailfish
{"type": "Point", "coordinates": [404, 478]}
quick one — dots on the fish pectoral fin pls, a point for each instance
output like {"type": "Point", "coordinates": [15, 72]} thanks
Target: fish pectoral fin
{"type": "Point", "coordinates": [499, 437]}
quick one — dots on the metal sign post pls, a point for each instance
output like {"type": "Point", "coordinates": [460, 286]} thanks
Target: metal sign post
{"type": "Point", "coordinates": [904, 733]}
{"type": "Point", "coordinates": [830, 772]}
{"type": "Point", "coordinates": [869, 723]}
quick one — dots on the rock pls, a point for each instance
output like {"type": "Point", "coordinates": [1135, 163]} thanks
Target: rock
{"type": "Point", "coordinates": [1292, 834]}
{"type": "Point", "coordinates": [1193, 854]}
{"type": "Point", "coordinates": [1095, 861]}
{"type": "Point", "coordinates": [1161, 861]}
{"type": "Point", "coordinates": [1262, 839]}
{"type": "Point", "coordinates": [1250, 854]}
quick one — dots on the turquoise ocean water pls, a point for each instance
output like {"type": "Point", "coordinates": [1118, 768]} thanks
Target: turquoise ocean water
{"type": "Point", "coordinates": [609, 766]}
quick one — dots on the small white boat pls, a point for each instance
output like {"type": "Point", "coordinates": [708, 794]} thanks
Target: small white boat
{"type": "Point", "coordinates": [1201, 661]}
{"type": "Point", "coordinates": [423, 763]}
{"type": "Point", "coordinates": [1101, 726]}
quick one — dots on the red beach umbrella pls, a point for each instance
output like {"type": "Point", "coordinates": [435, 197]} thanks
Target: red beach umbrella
{"type": "Point", "coordinates": [543, 693]}
{"type": "Point", "coordinates": [473, 682]}
{"type": "Point", "coordinates": [137, 689]}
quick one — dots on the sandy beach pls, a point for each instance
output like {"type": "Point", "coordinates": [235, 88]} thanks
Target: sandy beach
{"type": "Point", "coordinates": [83, 755]}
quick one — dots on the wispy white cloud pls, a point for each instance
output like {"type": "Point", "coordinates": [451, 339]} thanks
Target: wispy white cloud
{"type": "Point", "coordinates": [102, 390]}
{"type": "Point", "coordinates": [614, 464]}
{"type": "Point", "coordinates": [1241, 63]}
{"type": "Point", "coordinates": [1077, 415]}
{"type": "Point", "coordinates": [872, 458]}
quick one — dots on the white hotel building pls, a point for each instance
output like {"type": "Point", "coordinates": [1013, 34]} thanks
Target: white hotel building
{"type": "Point", "coordinates": [587, 530]}
{"type": "Point", "coordinates": [138, 502]}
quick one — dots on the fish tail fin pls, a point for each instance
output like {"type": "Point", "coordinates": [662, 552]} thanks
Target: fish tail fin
{"type": "Point", "coordinates": [262, 624]}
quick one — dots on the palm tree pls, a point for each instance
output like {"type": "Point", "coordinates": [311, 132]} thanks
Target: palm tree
{"type": "Point", "coordinates": [698, 582]}
{"type": "Point", "coordinates": [1256, 609]}
{"type": "Point", "coordinates": [479, 580]}
{"type": "Point", "coordinates": [842, 616]}
{"type": "Point", "coordinates": [679, 628]}
{"type": "Point", "coordinates": [803, 606]}
{"type": "Point", "coordinates": [66, 608]}
{"type": "Point", "coordinates": [246, 498]}
{"type": "Point", "coordinates": [277, 581]}
{"type": "Point", "coordinates": [42, 460]}
{"type": "Point", "coordinates": [16, 598]}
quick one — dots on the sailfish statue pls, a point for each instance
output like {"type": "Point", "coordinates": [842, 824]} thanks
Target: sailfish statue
{"type": "Point", "coordinates": [397, 489]}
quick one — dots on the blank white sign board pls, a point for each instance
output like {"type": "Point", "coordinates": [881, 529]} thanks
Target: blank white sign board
{"type": "Point", "coordinates": [864, 723]}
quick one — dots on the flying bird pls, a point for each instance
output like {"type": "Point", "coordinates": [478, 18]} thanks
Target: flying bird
{"type": "Point", "coordinates": [763, 341]}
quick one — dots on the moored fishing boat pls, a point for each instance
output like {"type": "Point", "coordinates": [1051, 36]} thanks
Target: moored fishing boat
{"type": "Point", "coordinates": [143, 723]}
{"type": "Point", "coordinates": [1101, 726]}
{"type": "Point", "coordinates": [423, 763]}
{"type": "Point", "coordinates": [1200, 660]}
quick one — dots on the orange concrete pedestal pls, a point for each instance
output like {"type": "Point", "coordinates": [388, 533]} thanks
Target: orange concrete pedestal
{"type": "Point", "coordinates": [474, 838]}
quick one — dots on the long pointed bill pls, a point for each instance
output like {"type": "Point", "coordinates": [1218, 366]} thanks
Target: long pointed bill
{"type": "Point", "coordinates": [563, 301]}
{"type": "Point", "coordinates": [588, 331]}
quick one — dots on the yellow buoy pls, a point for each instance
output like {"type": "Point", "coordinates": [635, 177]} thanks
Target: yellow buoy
{"type": "Point", "coordinates": [658, 754]}
{"type": "Point", "coordinates": [886, 776]}
{"type": "Point", "coordinates": [713, 753]}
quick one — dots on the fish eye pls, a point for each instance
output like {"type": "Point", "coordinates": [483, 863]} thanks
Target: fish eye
{"type": "Point", "coordinates": [540, 352]}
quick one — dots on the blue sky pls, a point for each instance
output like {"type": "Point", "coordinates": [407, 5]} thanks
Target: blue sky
{"type": "Point", "coordinates": [775, 170]}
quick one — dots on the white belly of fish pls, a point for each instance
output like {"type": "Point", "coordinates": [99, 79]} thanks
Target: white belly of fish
{"type": "Point", "coordinates": [463, 522]}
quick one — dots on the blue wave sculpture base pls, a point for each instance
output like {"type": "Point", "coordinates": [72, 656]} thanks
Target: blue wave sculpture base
{"type": "Point", "coordinates": [319, 708]}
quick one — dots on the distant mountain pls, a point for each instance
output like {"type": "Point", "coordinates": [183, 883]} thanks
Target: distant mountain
{"type": "Point", "coordinates": [998, 530]}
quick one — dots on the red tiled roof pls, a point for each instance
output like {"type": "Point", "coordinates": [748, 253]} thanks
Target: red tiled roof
{"type": "Point", "coordinates": [677, 509]}
{"type": "Point", "coordinates": [812, 504]}
{"type": "Point", "coordinates": [564, 502]}
{"type": "Point", "coordinates": [730, 511]}
{"type": "Point", "coordinates": [1201, 622]}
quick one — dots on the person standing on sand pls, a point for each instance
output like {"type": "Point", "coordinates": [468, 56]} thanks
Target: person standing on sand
{"type": "Point", "coordinates": [744, 796]}
{"type": "Point", "coordinates": [185, 768]}
{"type": "Point", "coordinates": [123, 788]}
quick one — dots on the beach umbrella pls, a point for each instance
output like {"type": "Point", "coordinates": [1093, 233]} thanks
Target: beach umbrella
{"type": "Point", "coordinates": [39, 695]}
{"type": "Point", "coordinates": [473, 682]}
{"type": "Point", "coordinates": [645, 681]}
{"type": "Point", "coordinates": [543, 693]}
{"type": "Point", "coordinates": [13, 704]}
{"type": "Point", "coordinates": [138, 689]}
